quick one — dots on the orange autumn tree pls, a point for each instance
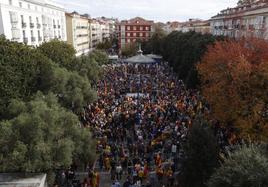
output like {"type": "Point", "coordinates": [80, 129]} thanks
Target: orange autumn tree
{"type": "Point", "coordinates": [234, 76]}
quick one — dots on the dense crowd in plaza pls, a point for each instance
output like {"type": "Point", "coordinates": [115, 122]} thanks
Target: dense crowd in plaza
{"type": "Point", "coordinates": [140, 121]}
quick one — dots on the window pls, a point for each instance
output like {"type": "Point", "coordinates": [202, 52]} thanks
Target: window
{"type": "Point", "coordinates": [134, 34]}
{"type": "Point", "coordinates": [30, 19]}
{"type": "Point", "coordinates": [37, 20]}
{"type": "Point", "coordinates": [128, 34]}
{"type": "Point", "coordinates": [128, 28]}
{"type": "Point", "coordinates": [141, 34]}
{"type": "Point", "coordinates": [141, 28]}
{"type": "Point", "coordinates": [10, 2]}
{"type": "Point", "coordinates": [134, 28]}
{"type": "Point", "coordinates": [23, 34]}
{"type": "Point", "coordinates": [128, 40]}
{"type": "Point", "coordinates": [20, 3]}
{"type": "Point", "coordinates": [147, 34]}
{"type": "Point", "coordinates": [29, 6]}
{"type": "Point", "coordinates": [31, 33]}
{"type": "Point", "coordinates": [22, 19]}
{"type": "Point", "coordinates": [147, 28]}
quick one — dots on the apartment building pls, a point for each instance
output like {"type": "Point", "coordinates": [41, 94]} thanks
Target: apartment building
{"type": "Point", "coordinates": [248, 19]}
{"type": "Point", "coordinates": [95, 33]}
{"type": "Point", "coordinates": [105, 30]}
{"type": "Point", "coordinates": [172, 26]}
{"type": "Point", "coordinates": [78, 32]}
{"type": "Point", "coordinates": [136, 29]}
{"type": "Point", "coordinates": [196, 25]}
{"type": "Point", "coordinates": [32, 21]}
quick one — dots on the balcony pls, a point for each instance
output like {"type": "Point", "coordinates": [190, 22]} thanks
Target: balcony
{"type": "Point", "coordinates": [58, 26]}
{"type": "Point", "coordinates": [38, 25]}
{"type": "Point", "coordinates": [33, 39]}
{"type": "Point", "coordinates": [55, 26]}
{"type": "Point", "coordinates": [23, 25]}
{"type": "Point", "coordinates": [25, 40]}
{"type": "Point", "coordinates": [39, 39]}
{"type": "Point", "coordinates": [31, 25]}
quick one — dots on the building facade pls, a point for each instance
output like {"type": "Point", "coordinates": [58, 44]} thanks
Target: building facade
{"type": "Point", "coordinates": [248, 19]}
{"type": "Point", "coordinates": [78, 32]}
{"type": "Point", "coordinates": [95, 33]}
{"type": "Point", "coordinates": [136, 29]}
{"type": "Point", "coordinates": [32, 21]}
{"type": "Point", "coordinates": [105, 30]}
{"type": "Point", "coordinates": [196, 25]}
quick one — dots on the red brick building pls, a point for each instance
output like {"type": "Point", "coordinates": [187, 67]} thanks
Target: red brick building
{"type": "Point", "coordinates": [136, 29]}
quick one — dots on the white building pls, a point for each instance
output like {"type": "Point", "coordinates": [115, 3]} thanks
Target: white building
{"type": "Point", "coordinates": [32, 21]}
{"type": "Point", "coordinates": [248, 19]}
{"type": "Point", "coordinates": [105, 31]}
{"type": "Point", "coordinates": [78, 32]}
{"type": "Point", "coordinates": [95, 32]}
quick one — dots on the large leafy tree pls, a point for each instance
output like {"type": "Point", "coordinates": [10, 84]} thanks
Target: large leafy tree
{"type": "Point", "coordinates": [129, 50]}
{"type": "Point", "coordinates": [182, 50]}
{"type": "Point", "coordinates": [22, 72]}
{"type": "Point", "coordinates": [234, 78]}
{"type": "Point", "coordinates": [74, 91]}
{"type": "Point", "coordinates": [100, 57]}
{"type": "Point", "coordinates": [201, 155]}
{"type": "Point", "coordinates": [58, 51]}
{"type": "Point", "coordinates": [245, 167]}
{"type": "Point", "coordinates": [42, 136]}
{"type": "Point", "coordinates": [87, 66]}
{"type": "Point", "coordinates": [155, 43]}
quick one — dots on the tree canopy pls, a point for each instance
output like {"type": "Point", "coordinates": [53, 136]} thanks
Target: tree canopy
{"type": "Point", "coordinates": [42, 90]}
{"type": "Point", "coordinates": [59, 52]}
{"type": "Point", "coordinates": [42, 136]}
{"type": "Point", "coordinates": [245, 167]}
{"type": "Point", "coordinates": [201, 155]}
{"type": "Point", "coordinates": [182, 50]}
{"type": "Point", "coordinates": [234, 78]}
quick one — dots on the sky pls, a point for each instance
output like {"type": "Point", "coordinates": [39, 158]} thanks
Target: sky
{"type": "Point", "coordinates": [157, 10]}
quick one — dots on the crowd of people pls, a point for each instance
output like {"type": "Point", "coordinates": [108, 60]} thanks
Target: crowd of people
{"type": "Point", "coordinates": [140, 121]}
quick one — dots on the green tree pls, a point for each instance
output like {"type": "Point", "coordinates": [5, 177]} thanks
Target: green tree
{"type": "Point", "coordinates": [23, 71]}
{"type": "Point", "coordinates": [201, 155]}
{"type": "Point", "coordinates": [42, 136]}
{"type": "Point", "coordinates": [74, 91]}
{"type": "Point", "coordinates": [59, 52]}
{"type": "Point", "coordinates": [87, 66]}
{"type": "Point", "coordinates": [245, 167]}
{"type": "Point", "coordinates": [155, 44]}
{"type": "Point", "coordinates": [182, 50]}
{"type": "Point", "coordinates": [100, 56]}
{"type": "Point", "coordinates": [129, 50]}
{"type": "Point", "coordinates": [105, 45]}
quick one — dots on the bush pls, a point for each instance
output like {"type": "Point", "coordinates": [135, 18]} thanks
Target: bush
{"type": "Point", "coordinates": [245, 167]}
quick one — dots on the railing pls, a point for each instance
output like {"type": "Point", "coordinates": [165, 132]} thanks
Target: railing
{"type": "Point", "coordinates": [31, 25]}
